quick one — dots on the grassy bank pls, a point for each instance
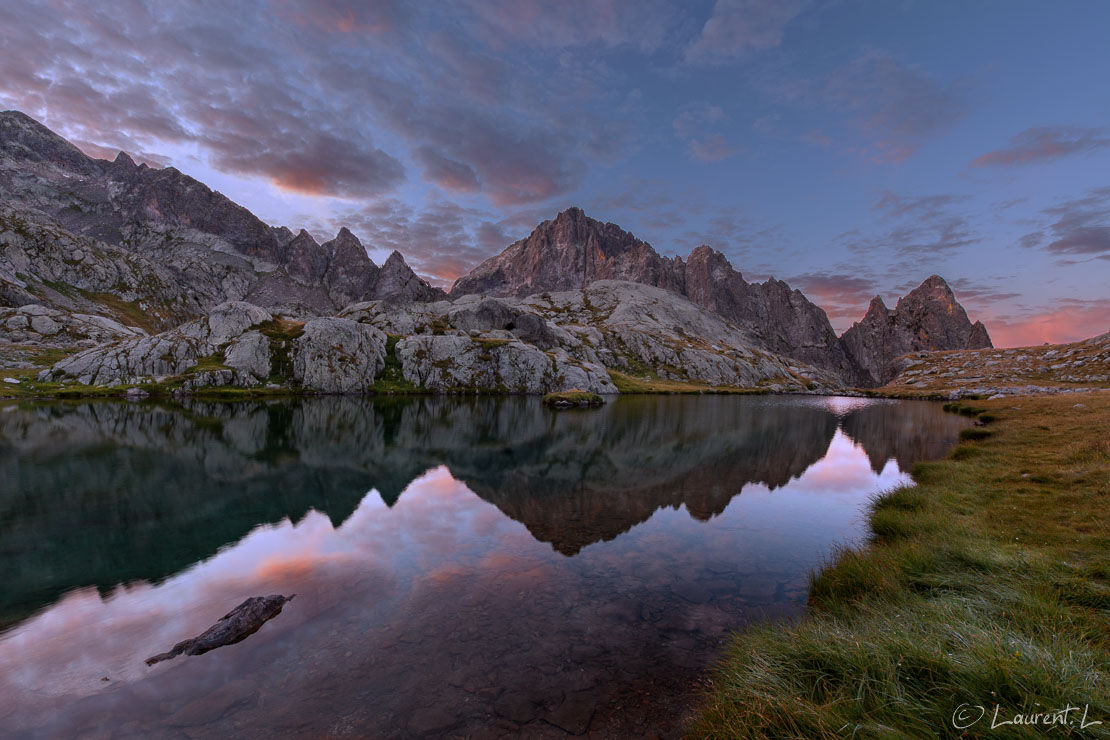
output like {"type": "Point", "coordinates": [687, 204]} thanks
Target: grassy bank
{"type": "Point", "coordinates": [987, 585]}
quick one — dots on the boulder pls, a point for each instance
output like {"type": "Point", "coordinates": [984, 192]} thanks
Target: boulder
{"type": "Point", "coordinates": [454, 362]}
{"type": "Point", "coordinates": [336, 355]}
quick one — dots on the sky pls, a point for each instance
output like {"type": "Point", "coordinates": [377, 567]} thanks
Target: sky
{"type": "Point", "coordinates": [851, 148]}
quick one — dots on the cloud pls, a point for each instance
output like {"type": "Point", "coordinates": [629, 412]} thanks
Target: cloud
{"type": "Point", "coordinates": [327, 98]}
{"type": "Point", "coordinates": [844, 297]}
{"type": "Point", "coordinates": [233, 82]}
{"type": "Point", "coordinates": [442, 241]}
{"type": "Point", "coordinates": [1062, 321]}
{"type": "Point", "coordinates": [342, 16]}
{"type": "Point", "coordinates": [1044, 143]}
{"type": "Point", "coordinates": [319, 163]}
{"type": "Point", "coordinates": [898, 106]}
{"type": "Point", "coordinates": [1081, 225]}
{"type": "Point", "coordinates": [641, 24]}
{"type": "Point", "coordinates": [447, 173]}
{"type": "Point", "coordinates": [693, 125]}
{"type": "Point", "coordinates": [739, 26]}
{"type": "Point", "coordinates": [918, 226]}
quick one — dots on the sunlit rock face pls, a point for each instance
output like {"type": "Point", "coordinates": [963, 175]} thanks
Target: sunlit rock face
{"type": "Point", "coordinates": [927, 318]}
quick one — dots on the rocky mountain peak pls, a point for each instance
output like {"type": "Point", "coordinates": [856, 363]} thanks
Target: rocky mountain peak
{"type": "Point", "coordinates": [569, 252]}
{"type": "Point", "coordinates": [305, 261]}
{"type": "Point", "coordinates": [24, 138]}
{"type": "Point", "coordinates": [123, 160]}
{"type": "Point", "coordinates": [927, 318]}
{"type": "Point", "coordinates": [396, 279]}
{"type": "Point", "coordinates": [396, 261]}
{"type": "Point", "coordinates": [574, 214]}
{"type": "Point", "coordinates": [935, 290]}
{"type": "Point", "coordinates": [876, 309]}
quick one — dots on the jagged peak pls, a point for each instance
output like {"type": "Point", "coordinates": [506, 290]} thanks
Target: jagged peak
{"type": "Point", "coordinates": [877, 307]}
{"type": "Point", "coordinates": [344, 237]}
{"type": "Point", "coordinates": [23, 120]}
{"type": "Point", "coordinates": [704, 249]}
{"type": "Point", "coordinates": [574, 213]}
{"type": "Point", "coordinates": [395, 260]}
{"type": "Point", "coordinates": [26, 137]}
{"type": "Point", "coordinates": [932, 284]}
{"type": "Point", "coordinates": [123, 158]}
{"type": "Point", "coordinates": [303, 236]}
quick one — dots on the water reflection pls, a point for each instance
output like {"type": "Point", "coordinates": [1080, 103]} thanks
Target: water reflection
{"type": "Point", "coordinates": [585, 586]}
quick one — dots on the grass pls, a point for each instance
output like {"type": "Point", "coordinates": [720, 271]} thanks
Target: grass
{"type": "Point", "coordinates": [630, 384]}
{"type": "Point", "coordinates": [572, 398]}
{"type": "Point", "coordinates": [212, 362]}
{"type": "Point", "coordinates": [280, 333]}
{"type": "Point", "coordinates": [130, 312]}
{"type": "Point", "coordinates": [986, 585]}
{"type": "Point", "coordinates": [392, 378]}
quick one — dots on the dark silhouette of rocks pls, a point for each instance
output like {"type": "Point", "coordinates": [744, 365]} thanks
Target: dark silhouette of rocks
{"type": "Point", "coordinates": [235, 626]}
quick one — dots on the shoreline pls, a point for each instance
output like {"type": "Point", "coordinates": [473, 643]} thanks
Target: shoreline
{"type": "Point", "coordinates": [986, 586]}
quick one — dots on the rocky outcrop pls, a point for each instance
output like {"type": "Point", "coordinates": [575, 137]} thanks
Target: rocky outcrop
{"type": "Point", "coordinates": [1018, 371]}
{"type": "Point", "coordinates": [928, 318]}
{"type": "Point", "coordinates": [781, 320]}
{"type": "Point", "coordinates": [169, 353]}
{"type": "Point", "coordinates": [350, 275]}
{"type": "Point", "coordinates": [336, 355]}
{"type": "Point", "coordinates": [574, 251]}
{"type": "Point", "coordinates": [42, 326]}
{"type": "Point", "coordinates": [643, 332]}
{"type": "Point", "coordinates": [235, 626]}
{"type": "Point", "coordinates": [495, 364]}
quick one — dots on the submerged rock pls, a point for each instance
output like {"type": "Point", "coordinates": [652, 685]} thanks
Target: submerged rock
{"type": "Point", "coordinates": [235, 626]}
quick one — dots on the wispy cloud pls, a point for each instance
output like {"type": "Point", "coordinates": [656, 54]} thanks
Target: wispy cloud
{"type": "Point", "coordinates": [695, 125]}
{"type": "Point", "coordinates": [917, 226]}
{"type": "Point", "coordinates": [898, 106]}
{"type": "Point", "coordinates": [1044, 143]}
{"type": "Point", "coordinates": [738, 26]}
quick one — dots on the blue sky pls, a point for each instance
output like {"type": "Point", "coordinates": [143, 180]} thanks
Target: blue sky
{"type": "Point", "coordinates": [850, 148]}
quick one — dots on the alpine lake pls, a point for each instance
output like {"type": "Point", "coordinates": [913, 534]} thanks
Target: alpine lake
{"type": "Point", "coordinates": [463, 567]}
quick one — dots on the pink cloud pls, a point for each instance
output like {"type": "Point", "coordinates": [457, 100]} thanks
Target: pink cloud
{"type": "Point", "coordinates": [1071, 321]}
{"type": "Point", "coordinates": [1042, 143]}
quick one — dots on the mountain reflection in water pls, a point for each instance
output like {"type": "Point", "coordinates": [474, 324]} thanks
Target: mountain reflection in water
{"type": "Point", "coordinates": [585, 586]}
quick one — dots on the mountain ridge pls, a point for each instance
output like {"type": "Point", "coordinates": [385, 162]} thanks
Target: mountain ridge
{"type": "Point", "coordinates": [154, 249]}
{"type": "Point", "coordinates": [573, 250]}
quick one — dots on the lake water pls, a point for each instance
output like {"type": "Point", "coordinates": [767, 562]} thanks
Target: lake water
{"type": "Point", "coordinates": [463, 567]}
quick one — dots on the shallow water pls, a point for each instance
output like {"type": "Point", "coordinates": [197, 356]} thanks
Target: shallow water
{"type": "Point", "coordinates": [463, 567]}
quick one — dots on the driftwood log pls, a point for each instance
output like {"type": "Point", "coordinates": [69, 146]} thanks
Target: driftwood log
{"type": "Point", "coordinates": [238, 624]}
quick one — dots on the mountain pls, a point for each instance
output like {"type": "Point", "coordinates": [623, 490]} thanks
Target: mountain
{"type": "Point", "coordinates": [573, 250]}
{"type": "Point", "coordinates": [926, 319]}
{"type": "Point", "coordinates": [77, 228]}
{"type": "Point", "coordinates": [127, 263]}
